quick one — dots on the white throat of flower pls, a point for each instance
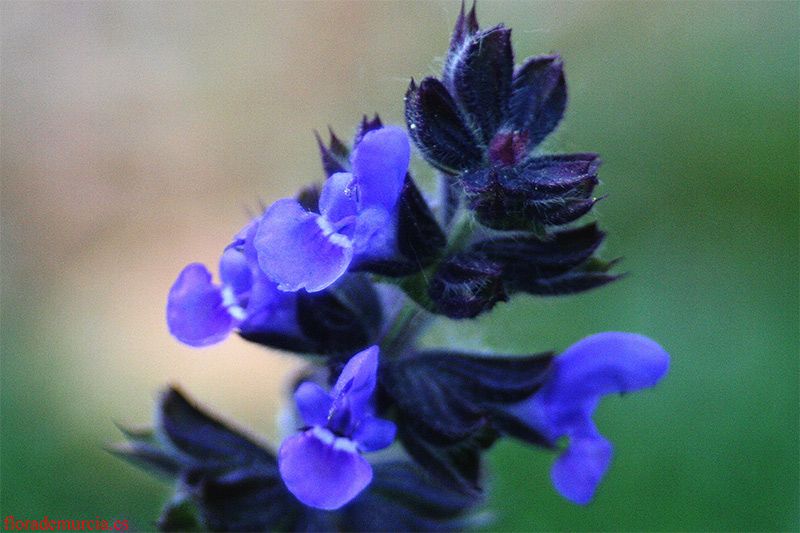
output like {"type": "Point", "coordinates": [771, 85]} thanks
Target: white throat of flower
{"type": "Point", "coordinates": [330, 231]}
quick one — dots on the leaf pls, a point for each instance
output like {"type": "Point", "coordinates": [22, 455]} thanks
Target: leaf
{"type": "Point", "coordinates": [204, 438]}
{"type": "Point", "coordinates": [450, 406]}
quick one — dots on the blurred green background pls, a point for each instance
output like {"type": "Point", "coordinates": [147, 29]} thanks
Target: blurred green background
{"type": "Point", "coordinates": [136, 136]}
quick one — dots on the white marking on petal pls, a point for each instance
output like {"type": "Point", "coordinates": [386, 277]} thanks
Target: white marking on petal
{"type": "Point", "coordinates": [325, 226]}
{"type": "Point", "coordinates": [340, 240]}
{"type": "Point", "coordinates": [323, 434]}
{"type": "Point", "coordinates": [329, 231]}
{"type": "Point", "coordinates": [337, 443]}
{"type": "Point", "coordinates": [345, 445]}
{"type": "Point", "coordinates": [231, 303]}
{"type": "Point", "coordinates": [238, 313]}
{"type": "Point", "coordinates": [228, 297]}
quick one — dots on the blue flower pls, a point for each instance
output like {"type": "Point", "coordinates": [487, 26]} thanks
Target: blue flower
{"type": "Point", "coordinates": [356, 220]}
{"type": "Point", "coordinates": [202, 313]}
{"type": "Point", "coordinates": [322, 466]}
{"type": "Point", "coordinates": [601, 364]}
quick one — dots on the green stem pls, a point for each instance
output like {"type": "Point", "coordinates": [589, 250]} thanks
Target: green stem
{"type": "Point", "coordinates": [410, 322]}
{"type": "Point", "coordinates": [459, 231]}
{"type": "Point", "coordinates": [413, 316]}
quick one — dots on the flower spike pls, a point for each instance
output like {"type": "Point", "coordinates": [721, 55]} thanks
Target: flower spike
{"type": "Point", "coordinates": [356, 264]}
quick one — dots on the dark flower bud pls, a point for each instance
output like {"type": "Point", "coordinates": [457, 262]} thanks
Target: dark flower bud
{"type": "Point", "coordinates": [466, 27]}
{"type": "Point", "coordinates": [529, 256]}
{"type": "Point", "coordinates": [561, 264]}
{"type": "Point", "coordinates": [490, 271]}
{"type": "Point", "coordinates": [589, 275]}
{"type": "Point", "coordinates": [334, 156]}
{"type": "Point", "coordinates": [483, 120]}
{"type": "Point", "coordinates": [438, 130]}
{"type": "Point", "coordinates": [366, 126]}
{"type": "Point", "coordinates": [467, 285]}
{"type": "Point", "coordinates": [419, 236]}
{"type": "Point", "coordinates": [550, 190]}
{"type": "Point", "coordinates": [495, 203]}
{"type": "Point", "coordinates": [509, 148]}
{"type": "Point", "coordinates": [479, 78]}
{"type": "Point", "coordinates": [538, 98]}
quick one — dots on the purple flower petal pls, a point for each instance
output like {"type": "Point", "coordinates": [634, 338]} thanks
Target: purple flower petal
{"type": "Point", "coordinates": [272, 318]}
{"type": "Point", "coordinates": [196, 314]}
{"type": "Point", "coordinates": [298, 249]}
{"type": "Point", "coordinates": [579, 469]}
{"type": "Point", "coordinates": [337, 200]}
{"type": "Point", "coordinates": [374, 434]}
{"type": "Point", "coordinates": [235, 272]}
{"type": "Point", "coordinates": [602, 364]}
{"type": "Point", "coordinates": [245, 240]}
{"type": "Point", "coordinates": [375, 235]}
{"type": "Point", "coordinates": [322, 470]}
{"type": "Point", "coordinates": [380, 162]}
{"type": "Point", "coordinates": [605, 363]}
{"type": "Point", "coordinates": [356, 383]}
{"type": "Point", "coordinates": [322, 466]}
{"type": "Point", "coordinates": [313, 403]}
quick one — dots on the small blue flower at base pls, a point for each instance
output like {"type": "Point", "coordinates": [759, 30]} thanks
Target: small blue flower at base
{"type": "Point", "coordinates": [323, 466]}
{"type": "Point", "coordinates": [201, 313]}
{"type": "Point", "coordinates": [601, 364]}
{"type": "Point", "coordinates": [301, 249]}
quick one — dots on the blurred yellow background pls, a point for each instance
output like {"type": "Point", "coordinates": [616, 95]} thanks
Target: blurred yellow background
{"type": "Point", "coordinates": [136, 137]}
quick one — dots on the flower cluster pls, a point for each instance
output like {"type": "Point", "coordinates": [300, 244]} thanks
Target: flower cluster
{"type": "Point", "coordinates": [388, 434]}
